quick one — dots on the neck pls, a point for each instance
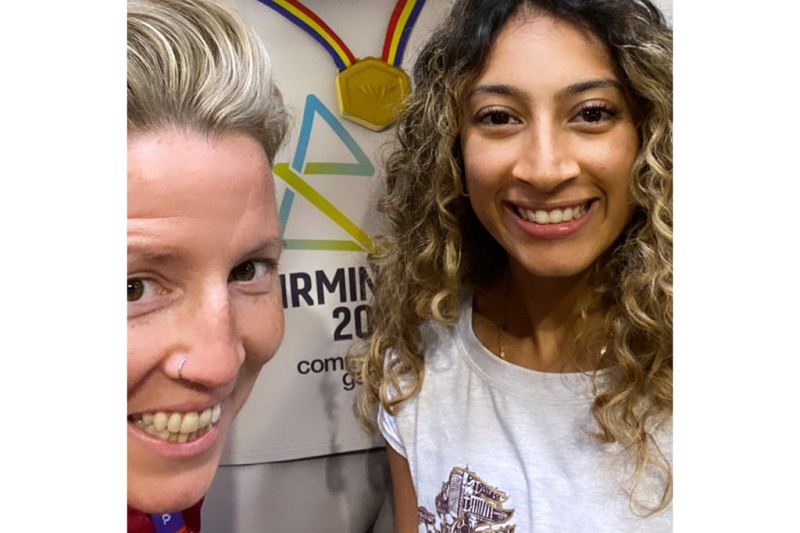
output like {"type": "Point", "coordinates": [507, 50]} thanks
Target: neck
{"type": "Point", "coordinates": [547, 304]}
{"type": "Point", "coordinates": [539, 318]}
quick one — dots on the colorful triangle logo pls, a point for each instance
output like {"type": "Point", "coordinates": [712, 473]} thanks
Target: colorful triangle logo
{"type": "Point", "coordinates": [292, 175]}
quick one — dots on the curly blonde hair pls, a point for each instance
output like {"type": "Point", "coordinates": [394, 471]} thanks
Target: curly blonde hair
{"type": "Point", "coordinates": [435, 247]}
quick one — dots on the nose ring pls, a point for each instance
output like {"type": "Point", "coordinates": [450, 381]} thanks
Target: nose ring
{"type": "Point", "coordinates": [180, 367]}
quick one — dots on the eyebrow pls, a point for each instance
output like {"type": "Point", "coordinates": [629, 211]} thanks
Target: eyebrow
{"type": "Point", "coordinates": [144, 253]}
{"type": "Point", "coordinates": [570, 90]}
{"type": "Point", "coordinates": [583, 86]}
{"type": "Point", "coordinates": [496, 88]}
{"type": "Point", "coordinates": [170, 256]}
{"type": "Point", "coordinates": [270, 244]}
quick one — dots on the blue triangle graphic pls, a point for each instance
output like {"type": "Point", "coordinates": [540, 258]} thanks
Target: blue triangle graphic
{"type": "Point", "coordinates": [362, 167]}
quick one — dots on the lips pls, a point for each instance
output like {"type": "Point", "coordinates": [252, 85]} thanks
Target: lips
{"type": "Point", "coordinates": [176, 426]}
{"type": "Point", "coordinates": [552, 216]}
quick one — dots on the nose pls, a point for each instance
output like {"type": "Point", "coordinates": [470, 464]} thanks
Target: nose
{"type": "Point", "coordinates": [213, 348]}
{"type": "Point", "coordinates": [545, 158]}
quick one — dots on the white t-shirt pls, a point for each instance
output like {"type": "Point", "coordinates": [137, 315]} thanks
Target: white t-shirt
{"type": "Point", "coordinates": [496, 447]}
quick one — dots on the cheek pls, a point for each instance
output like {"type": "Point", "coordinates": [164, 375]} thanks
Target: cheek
{"type": "Point", "coordinates": [483, 187]}
{"type": "Point", "coordinates": [611, 165]}
{"type": "Point", "coordinates": [262, 327]}
{"type": "Point", "coordinates": [477, 179]}
{"type": "Point", "coordinates": [612, 158]}
{"type": "Point", "coordinates": [622, 157]}
{"type": "Point", "coordinates": [471, 165]}
{"type": "Point", "coordinates": [487, 165]}
{"type": "Point", "coordinates": [143, 353]}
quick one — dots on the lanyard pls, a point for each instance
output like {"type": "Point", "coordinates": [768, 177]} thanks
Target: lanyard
{"type": "Point", "coordinates": [169, 523]}
{"type": "Point", "coordinates": [369, 90]}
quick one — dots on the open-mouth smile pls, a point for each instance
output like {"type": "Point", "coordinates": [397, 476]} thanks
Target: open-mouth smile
{"type": "Point", "coordinates": [175, 426]}
{"type": "Point", "coordinates": [552, 216]}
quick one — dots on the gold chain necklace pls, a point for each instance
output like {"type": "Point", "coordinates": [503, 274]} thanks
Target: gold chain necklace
{"type": "Point", "coordinates": [503, 324]}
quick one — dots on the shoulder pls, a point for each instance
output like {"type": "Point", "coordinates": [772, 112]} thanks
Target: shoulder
{"type": "Point", "coordinates": [436, 333]}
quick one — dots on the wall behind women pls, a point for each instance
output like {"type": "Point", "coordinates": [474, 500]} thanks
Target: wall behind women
{"type": "Point", "coordinates": [326, 176]}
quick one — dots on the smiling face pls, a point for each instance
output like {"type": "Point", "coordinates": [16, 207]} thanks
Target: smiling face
{"type": "Point", "coordinates": [548, 144]}
{"type": "Point", "coordinates": [203, 300]}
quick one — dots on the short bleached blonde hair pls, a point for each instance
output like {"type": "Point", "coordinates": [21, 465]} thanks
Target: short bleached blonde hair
{"type": "Point", "coordinates": [196, 65]}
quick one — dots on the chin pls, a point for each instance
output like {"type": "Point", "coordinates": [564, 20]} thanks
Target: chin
{"type": "Point", "coordinates": [161, 492]}
{"type": "Point", "coordinates": [153, 498]}
{"type": "Point", "coordinates": [568, 263]}
{"type": "Point", "coordinates": [557, 270]}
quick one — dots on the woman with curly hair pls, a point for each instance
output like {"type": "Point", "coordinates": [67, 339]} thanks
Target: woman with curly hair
{"type": "Point", "coordinates": [520, 361]}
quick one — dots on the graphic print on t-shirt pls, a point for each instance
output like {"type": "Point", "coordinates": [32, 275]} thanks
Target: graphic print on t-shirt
{"type": "Point", "coordinates": [467, 504]}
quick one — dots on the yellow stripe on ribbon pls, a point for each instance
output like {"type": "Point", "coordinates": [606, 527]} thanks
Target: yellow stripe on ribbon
{"type": "Point", "coordinates": [314, 26]}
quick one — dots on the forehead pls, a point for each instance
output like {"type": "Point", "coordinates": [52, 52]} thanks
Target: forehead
{"type": "Point", "coordinates": [539, 43]}
{"type": "Point", "coordinates": [214, 197]}
{"type": "Point", "coordinates": [171, 172]}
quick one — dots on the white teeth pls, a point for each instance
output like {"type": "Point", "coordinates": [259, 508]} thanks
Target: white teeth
{"type": "Point", "coordinates": [178, 427]}
{"type": "Point", "coordinates": [554, 216]}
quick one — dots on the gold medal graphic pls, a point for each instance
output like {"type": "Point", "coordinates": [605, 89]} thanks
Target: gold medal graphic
{"type": "Point", "coordinates": [370, 92]}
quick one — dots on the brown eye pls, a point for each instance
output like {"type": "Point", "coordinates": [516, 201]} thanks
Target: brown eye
{"type": "Point", "coordinates": [596, 114]}
{"type": "Point", "coordinates": [135, 289]}
{"type": "Point", "coordinates": [499, 118]}
{"type": "Point", "coordinates": [495, 117]}
{"type": "Point", "coordinates": [244, 272]}
{"type": "Point", "coordinates": [592, 115]}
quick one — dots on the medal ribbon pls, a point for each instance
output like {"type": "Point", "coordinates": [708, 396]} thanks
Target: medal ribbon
{"type": "Point", "coordinates": [403, 18]}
